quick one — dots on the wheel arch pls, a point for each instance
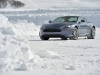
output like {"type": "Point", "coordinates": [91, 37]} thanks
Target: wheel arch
{"type": "Point", "coordinates": [76, 27]}
{"type": "Point", "coordinates": [94, 27]}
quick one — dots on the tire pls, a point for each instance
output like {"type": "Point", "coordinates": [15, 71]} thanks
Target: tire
{"type": "Point", "coordinates": [44, 38]}
{"type": "Point", "coordinates": [92, 34]}
{"type": "Point", "coordinates": [75, 34]}
{"type": "Point", "coordinates": [63, 38]}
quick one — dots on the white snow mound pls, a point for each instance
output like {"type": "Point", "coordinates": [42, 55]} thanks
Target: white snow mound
{"type": "Point", "coordinates": [9, 30]}
{"type": "Point", "coordinates": [48, 54]}
{"type": "Point", "coordinates": [4, 21]}
{"type": "Point", "coordinates": [15, 52]}
{"type": "Point", "coordinates": [3, 54]}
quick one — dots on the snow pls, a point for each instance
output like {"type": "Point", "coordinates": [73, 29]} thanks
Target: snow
{"type": "Point", "coordinates": [8, 31]}
{"type": "Point", "coordinates": [26, 28]}
{"type": "Point", "coordinates": [14, 49]}
{"type": "Point", "coordinates": [3, 54]}
{"type": "Point", "coordinates": [48, 54]}
{"type": "Point", "coordinates": [42, 16]}
{"type": "Point", "coordinates": [76, 56]}
{"type": "Point", "coordinates": [23, 53]}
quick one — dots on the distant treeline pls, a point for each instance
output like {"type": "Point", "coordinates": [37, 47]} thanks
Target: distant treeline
{"type": "Point", "coordinates": [13, 3]}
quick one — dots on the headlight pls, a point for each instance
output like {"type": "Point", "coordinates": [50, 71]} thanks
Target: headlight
{"type": "Point", "coordinates": [66, 26]}
{"type": "Point", "coordinates": [69, 26]}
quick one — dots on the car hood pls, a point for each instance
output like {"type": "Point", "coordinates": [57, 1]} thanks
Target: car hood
{"type": "Point", "coordinates": [57, 25]}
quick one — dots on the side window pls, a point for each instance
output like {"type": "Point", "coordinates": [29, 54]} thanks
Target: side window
{"type": "Point", "coordinates": [72, 19]}
{"type": "Point", "coordinates": [63, 20]}
{"type": "Point", "coordinates": [58, 20]}
{"type": "Point", "coordinates": [82, 19]}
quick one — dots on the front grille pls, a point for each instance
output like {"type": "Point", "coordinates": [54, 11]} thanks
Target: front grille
{"type": "Point", "coordinates": [52, 30]}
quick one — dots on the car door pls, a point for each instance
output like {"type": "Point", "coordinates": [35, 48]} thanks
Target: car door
{"type": "Point", "coordinates": [82, 26]}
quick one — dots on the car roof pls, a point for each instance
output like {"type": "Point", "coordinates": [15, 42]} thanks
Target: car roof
{"type": "Point", "coordinates": [70, 16]}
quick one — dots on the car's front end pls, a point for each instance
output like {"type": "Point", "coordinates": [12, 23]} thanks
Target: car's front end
{"type": "Point", "coordinates": [61, 27]}
{"type": "Point", "coordinates": [52, 31]}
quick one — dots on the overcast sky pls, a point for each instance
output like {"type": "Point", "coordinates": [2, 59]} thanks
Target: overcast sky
{"type": "Point", "coordinates": [90, 3]}
{"type": "Point", "coordinates": [83, 3]}
{"type": "Point", "coordinates": [71, 3]}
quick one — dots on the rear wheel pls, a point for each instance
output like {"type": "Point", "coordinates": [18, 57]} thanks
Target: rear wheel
{"type": "Point", "coordinates": [92, 34]}
{"type": "Point", "coordinates": [75, 34]}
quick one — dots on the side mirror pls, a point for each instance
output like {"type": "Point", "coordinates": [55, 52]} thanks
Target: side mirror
{"type": "Point", "coordinates": [50, 21]}
{"type": "Point", "coordinates": [79, 22]}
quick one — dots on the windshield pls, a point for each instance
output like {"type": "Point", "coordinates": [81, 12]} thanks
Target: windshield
{"type": "Point", "coordinates": [66, 19]}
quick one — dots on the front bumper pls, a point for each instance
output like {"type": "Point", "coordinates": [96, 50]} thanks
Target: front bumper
{"type": "Point", "coordinates": [67, 32]}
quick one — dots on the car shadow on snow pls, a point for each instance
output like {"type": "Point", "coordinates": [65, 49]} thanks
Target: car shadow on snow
{"type": "Point", "coordinates": [51, 39]}
{"type": "Point", "coordinates": [57, 39]}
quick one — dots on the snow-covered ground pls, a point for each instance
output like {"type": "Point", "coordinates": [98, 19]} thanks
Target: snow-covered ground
{"type": "Point", "coordinates": [23, 53]}
{"type": "Point", "coordinates": [76, 57]}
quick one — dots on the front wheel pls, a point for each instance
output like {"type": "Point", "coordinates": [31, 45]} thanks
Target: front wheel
{"type": "Point", "coordinates": [92, 34]}
{"type": "Point", "coordinates": [75, 34]}
{"type": "Point", "coordinates": [44, 38]}
{"type": "Point", "coordinates": [63, 38]}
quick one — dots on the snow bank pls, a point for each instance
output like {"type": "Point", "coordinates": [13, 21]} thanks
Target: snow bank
{"type": "Point", "coordinates": [3, 20]}
{"type": "Point", "coordinates": [48, 54]}
{"type": "Point", "coordinates": [15, 52]}
{"type": "Point", "coordinates": [26, 28]}
{"type": "Point", "coordinates": [3, 54]}
{"type": "Point", "coordinates": [8, 31]}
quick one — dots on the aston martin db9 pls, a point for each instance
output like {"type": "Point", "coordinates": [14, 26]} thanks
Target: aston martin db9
{"type": "Point", "coordinates": [65, 27]}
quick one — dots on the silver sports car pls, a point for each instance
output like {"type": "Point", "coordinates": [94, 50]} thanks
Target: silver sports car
{"type": "Point", "coordinates": [65, 27]}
